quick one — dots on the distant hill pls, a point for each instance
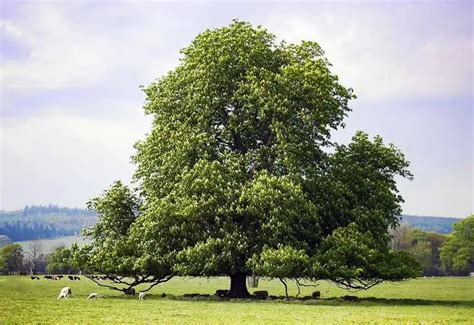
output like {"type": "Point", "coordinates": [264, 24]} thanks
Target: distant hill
{"type": "Point", "coordinates": [50, 244]}
{"type": "Point", "coordinates": [52, 221]}
{"type": "Point", "coordinates": [437, 224]}
{"type": "Point", "coordinates": [42, 222]}
{"type": "Point", "coordinates": [4, 240]}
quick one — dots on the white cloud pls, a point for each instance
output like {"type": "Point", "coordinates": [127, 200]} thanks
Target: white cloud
{"type": "Point", "coordinates": [54, 158]}
{"type": "Point", "coordinates": [66, 52]}
{"type": "Point", "coordinates": [383, 56]}
{"type": "Point", "coordinates": [71, 113]}
{"type": "Point", "coordinates": [9, 29]}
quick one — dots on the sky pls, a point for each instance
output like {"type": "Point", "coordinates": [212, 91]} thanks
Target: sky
{"type": "Point", "coordinates": [71, 106]}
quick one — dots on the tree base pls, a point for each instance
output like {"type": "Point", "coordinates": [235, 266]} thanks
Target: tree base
{"type": "Point", "coordinates": [238, 286]}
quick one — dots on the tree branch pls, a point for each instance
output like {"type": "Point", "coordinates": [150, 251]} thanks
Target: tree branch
{"type": "Point", "coordinates": [103, 285]}
{"type": "Point", "coordinates": [356, 285]}
{"type": "Point", "coordinates": [306, 285]}
{"type": "Point", "coordinates": [137, 280]}
{"type": "Point", "coordinates": [286, 286]}
{"type": "Point", "coordinates": [166, 279]}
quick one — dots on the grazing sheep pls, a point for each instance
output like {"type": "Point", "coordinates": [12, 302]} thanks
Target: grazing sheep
{"type": "Point", "coordinates": [64, 293]}
{"type": "Point", "coordinates": [142, 296]}
{"type": "Point", "coordinates": [92, 296]}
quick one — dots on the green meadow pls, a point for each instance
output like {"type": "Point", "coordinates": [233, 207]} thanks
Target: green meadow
{"type": "Point", "coordinates": [422, 301]}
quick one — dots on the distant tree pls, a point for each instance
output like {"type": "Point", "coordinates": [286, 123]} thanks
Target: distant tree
{"type": "Point", "coordinates": [60, 261]}
{"type": "Point", "coordinates": [422, 253]}
{"type": "Point", "coordinates": [401, 237]}
{"type": "Point", "coordinates": [434, 240]}
{"type": "Point", "coordinates": [422, 245]}
{"type": "Point", "coordinates": [457, 253]}
{"type": "Point", "coordinates": [12, 258]}
{"type": "Point", "coordinates": [35, 256]}
{"type": "Point", "coordinates": [115, 250]}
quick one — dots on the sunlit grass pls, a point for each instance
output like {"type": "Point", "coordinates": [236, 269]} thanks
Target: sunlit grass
{"type": "Point", "coordinates": [431, 300]}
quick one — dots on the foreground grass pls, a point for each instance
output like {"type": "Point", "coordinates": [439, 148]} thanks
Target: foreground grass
{"type": "Point", "coordinates": [425, 301]}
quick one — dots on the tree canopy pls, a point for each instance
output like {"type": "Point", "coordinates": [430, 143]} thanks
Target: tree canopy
{"type": "Point", "coordinates": [11, 258]}
{"type": "Point", "coordinates": [457, 253]}
{"type": "Point", "coordinates": [239, 173]}
{"type": "Point", "coordinates": [60, 261]}
{"type": "Point", "coordinates": [114, 251]}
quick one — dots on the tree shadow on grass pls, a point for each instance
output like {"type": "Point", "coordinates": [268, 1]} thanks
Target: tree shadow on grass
{"type": "Point", "coordinates": [333, 301]}
{"type": "Point", "coordinates": [372, 301]}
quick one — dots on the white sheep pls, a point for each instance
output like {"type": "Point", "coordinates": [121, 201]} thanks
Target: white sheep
{"type": "Point", "coordinates": [142, 296]}
{"type": "Point", "coordinates": [92, 296]}
{"type": "Point", "coordinates": [64, 293]}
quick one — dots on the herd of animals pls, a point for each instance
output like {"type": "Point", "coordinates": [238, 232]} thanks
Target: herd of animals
{"type": "Point", "coordinates": [58, 277]}
{"type": "Point", "coordinates": [66, 292]}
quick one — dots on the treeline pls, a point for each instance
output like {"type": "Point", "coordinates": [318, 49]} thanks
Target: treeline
{"type": "Point", "coordinates": [14, 259]}
{"type": "Point", "coordinates": [51, 221]}
{"type": "Point", "coordinates": [55, 210]}
{"type": "Point", "coordinates": [438, 254]}
{"type": "Point", "coordinates": [21, 230]}
{"type": "Point", "coordinates": [44, 222]}
{"type": "Point", "coordinates": [442, 225]}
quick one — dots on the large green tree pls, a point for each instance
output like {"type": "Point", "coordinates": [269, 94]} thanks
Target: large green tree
{"type": "Point", "coordinates": [457, 253]}
{"type": "Point", "coordinates": [239, 168]}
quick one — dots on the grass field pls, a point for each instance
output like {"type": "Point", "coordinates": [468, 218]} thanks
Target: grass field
{"type": "Point", "coordinates": [420, 301]}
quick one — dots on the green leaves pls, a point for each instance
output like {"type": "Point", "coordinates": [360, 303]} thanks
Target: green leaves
{"type": "Point", "coordinates": [356, 260]}
{"type": "Point", "coordinates": [239, 174]}
{"type": "Point", "coordinates": [116, 248]}
{"type": "Point", "coordinates": [60, 261]}
{"type": "Point", "coordinates": [11, 258]}
{"type": "Point", "coordinates": [282, 262]}
{"type": "Point", "coordinates": [457, 253]}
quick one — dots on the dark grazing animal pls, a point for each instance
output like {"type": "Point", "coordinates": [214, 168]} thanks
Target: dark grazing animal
{"type": "Point", "coordinates": [263, 294]}
{"type": "Point", "coordinates": [222, 293]}
{"type": "Point", "coordinates": [316, 295]}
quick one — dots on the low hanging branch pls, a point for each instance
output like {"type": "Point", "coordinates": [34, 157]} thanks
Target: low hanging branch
{"type": "Point", "coordinates": [137, 280]}
{"type": "Point", "coordinates": [356, 284]}
{"type": "Point", "coordinates": [299, 284]}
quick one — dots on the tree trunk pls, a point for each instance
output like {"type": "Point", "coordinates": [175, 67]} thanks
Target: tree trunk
{"type": "Point", "coordinates": [238, 286]}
